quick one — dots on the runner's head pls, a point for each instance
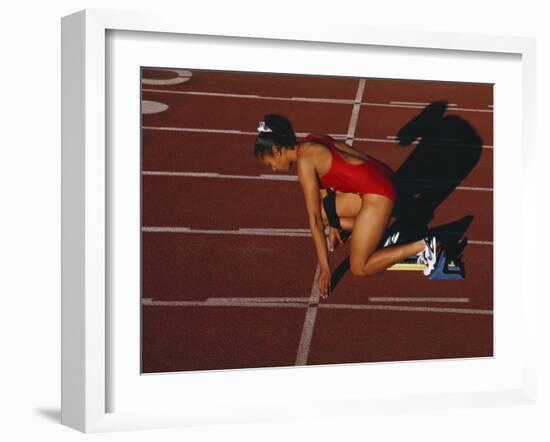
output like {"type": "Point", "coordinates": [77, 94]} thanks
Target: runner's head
{"type": "Point", "coordinates": [275, 137]}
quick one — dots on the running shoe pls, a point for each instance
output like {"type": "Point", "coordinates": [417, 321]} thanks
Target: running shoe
{"type": "Point", "coordinates": [420, 258]}
{"type": "Point", "coordinates": [428, 256]}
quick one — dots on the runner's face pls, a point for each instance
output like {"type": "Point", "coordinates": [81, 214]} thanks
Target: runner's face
{"type": "Point", "coordinates": [278, 161]}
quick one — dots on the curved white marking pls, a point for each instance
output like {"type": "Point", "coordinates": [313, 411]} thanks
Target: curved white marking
{"type": "Point", "coordinates": [152, 107]}
{"type": "Point", "coordinates": [182, 77]}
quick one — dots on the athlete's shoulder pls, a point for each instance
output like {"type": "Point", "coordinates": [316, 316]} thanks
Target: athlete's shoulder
{"type": "Point", "coordinates": [315, 143]}
{"type": "Point", "coordinates": [306, 145]}
{"type": "Point", "coordinates": [310, 151]}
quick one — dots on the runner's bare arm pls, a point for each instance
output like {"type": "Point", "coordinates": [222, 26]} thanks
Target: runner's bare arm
{"type": "Point", "coordinates": [308, 180]}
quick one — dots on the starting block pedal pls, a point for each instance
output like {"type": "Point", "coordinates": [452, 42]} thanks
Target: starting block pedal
{"type": "Point", "coordinates": [446, 270]}
{"type": "Point", "coordinates": [408, 264]}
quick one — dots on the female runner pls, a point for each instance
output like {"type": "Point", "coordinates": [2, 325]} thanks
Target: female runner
{"type": "Point", "coordinates": [364, 202]}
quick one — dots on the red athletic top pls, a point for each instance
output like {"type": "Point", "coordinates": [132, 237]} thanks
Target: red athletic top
{"type": "Point", "coordinates": [372, 176]}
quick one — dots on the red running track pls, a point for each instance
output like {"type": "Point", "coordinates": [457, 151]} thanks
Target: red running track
{"type": "Point", "coordinates": [227, 262]}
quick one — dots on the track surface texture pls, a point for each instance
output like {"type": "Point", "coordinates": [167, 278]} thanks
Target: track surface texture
{"type": "Point", "coordinates": [228, 263]}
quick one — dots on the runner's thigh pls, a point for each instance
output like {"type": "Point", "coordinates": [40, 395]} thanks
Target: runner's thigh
{"type": "Point", "coordinates": [369, 227]}
{"type": "Point", "coordinates": [348, 204]}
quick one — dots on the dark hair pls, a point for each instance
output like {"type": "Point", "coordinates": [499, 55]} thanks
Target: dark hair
{"type": "Point", "coordinates": [282, 134]}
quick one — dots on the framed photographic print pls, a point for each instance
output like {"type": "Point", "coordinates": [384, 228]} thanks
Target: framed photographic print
{"type": "Point", "coordinates": [195, 247]}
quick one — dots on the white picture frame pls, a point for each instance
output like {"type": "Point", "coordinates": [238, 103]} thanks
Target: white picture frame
{"type": "Point", "coordinates": [86, 315]}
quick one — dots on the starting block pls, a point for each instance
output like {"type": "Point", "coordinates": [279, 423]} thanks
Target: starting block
{"type": "Point", "coordinates": [409, 264]}
{"type": "Point", "coordinates": [444, 269]}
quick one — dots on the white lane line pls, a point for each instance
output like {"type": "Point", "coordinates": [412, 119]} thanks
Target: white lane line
{"type": "Point", "coordinates": [223, 131]}
{"type": "Point", "coordinates": [192, 129]}
{"type": "Point", "coordinates": [168, 229]}
{"type": "Point", "coordinates": [253, 232]}
{"type": "Point", "coordinates": [309, 322]}
{"type": "Point", "coordinates": [261, 300]}
{"type": "Point", "coordinates": [404, 106]}
{"type": "Point", "coordinates": [441, 141]}
{"type": "Point", "coordinates": [256, 232]}
{"type": "Point", "coordinates": [323, 100]}
{"type": "Point", "coordinates": [301, 358]}
{"type": "Point", "coordinates": [188, 174]}
{"type": "Point", "coordinates": [273, 229]}
{"type": "Point", "coordinates": [292, 178]}
{"type": "Point", "coordinates": [220, 175]}
{"type": "Point", "coordinates": [355, 112]}
{"type": "Point", "coordinates": [206, 94]}
{"type": "Point", "coordinates": [205, 175]}
{"type": "Point", "coordinates": [303, 233]}
{"type": "Point", "coordinates": [469, 311]}
{"type": "Point", "coordinates": [451, 141]}
{"type": "Point", "coordinates": [310, 300]}
{"type": "Point", "coordinates": [212, 302]}
{"type": "Point", "coordinates": [279, 177]}
{"type": "Point", "coordinates": [308, 100]}
{"type": "Point", "coordinates": [476, 189]}
{"type": "Point", "coordinates": [417, 103]}
{"type": "Point", "coordinates": [252, 96]}
{"type": "Point", "coordinates": [371, 299]}
{"type": "Point", "coordinates": [390, 139]}
{"type": "Point", "coordinates": [410, 299]}
{"type": "Point", "coordinates": [262, 230]}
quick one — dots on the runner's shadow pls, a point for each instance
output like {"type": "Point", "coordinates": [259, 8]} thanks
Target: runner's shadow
{"type": "Point", "coordinates": [447, 150]}
{"type": "Point", "coordinates": [338, 273]}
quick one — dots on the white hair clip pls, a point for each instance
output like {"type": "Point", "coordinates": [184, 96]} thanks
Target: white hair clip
{"type": "Point", "coordinates": [263, 128]}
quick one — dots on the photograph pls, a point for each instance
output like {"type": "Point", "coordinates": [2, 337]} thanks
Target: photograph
{"type": "Point", "coordinates": [303, 220]}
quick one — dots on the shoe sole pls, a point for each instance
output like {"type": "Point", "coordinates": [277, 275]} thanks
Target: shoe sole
{"type": "Point", "coordinates": [431, 266]}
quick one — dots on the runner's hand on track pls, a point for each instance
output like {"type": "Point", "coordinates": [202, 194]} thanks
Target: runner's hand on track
{"type": "Point", "coordinates": [334, 238]}
{"type": "Point", "coordinates": [324, 283]}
